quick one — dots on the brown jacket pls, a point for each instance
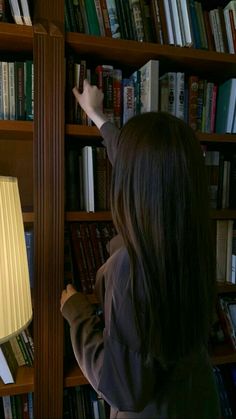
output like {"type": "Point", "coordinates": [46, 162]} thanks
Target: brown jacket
{"type": "Point", "coordinates": [110, 355]}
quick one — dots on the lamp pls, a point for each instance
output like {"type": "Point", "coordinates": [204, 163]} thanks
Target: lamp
{"type": "Point", "coordinates": [15, 296]}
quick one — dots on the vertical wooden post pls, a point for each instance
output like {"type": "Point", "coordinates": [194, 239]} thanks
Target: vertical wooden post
{"type": "Point", "coordinates": [48, 206]}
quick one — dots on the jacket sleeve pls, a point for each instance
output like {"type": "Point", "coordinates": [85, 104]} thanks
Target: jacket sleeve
{"type": "Point", "coordinates": [112, 365]}
{"type": "Point", "coordinates": [86, 330]}
{"type": "Point", "coordinates": [110, 134]}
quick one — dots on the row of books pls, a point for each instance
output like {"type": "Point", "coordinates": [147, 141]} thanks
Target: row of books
{"type": "Point", "coordinates": [86, 251]}
{"type": "Point", "coordinates": [19, 406]}
{"type": "Point", "coordinates": [183, 23]}
{"type": "Point", "coordinates": [17, 90]}
{"type": "Point", "coordinates": [227, 317]}
{"type": "Point", "coordinates": [205, 105]}
{"type": "Point", "coordinates": [88, 178]}
{"type": "Point", "coordinates": [29, 241]}
{"type": "Point", "coordinates": [221, 171]}
{"type": "Point", "coordinates": [17, 11]}
{"type": "Point", "coordinates": [17, 351]}
{"type": "Point", "coordinates": [83, 403]}
{"type": "Point", "coordinates": [226, 251]}
{"type": "Point", "coordinates": [225, 379]}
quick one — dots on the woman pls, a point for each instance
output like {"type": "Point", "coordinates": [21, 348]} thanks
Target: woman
{"type": "Point", "coordinates": [157, 288]}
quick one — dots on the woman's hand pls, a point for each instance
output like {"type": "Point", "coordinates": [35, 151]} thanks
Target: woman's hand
{"type": "Point", "coordinates": [67, 293]}
{"type": "Point", "coordinates": [91, 101]}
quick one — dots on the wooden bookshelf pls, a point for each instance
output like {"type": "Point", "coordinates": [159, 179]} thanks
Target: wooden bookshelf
{"type": "Point", "coordinates": [44, 202]}
{"type": "Point", "coordinates": [24, 382]}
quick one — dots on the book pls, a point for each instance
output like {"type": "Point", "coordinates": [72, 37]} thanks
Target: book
{"type": "Point", "coordinates": [105, 17]}
{"type": "Point", "coordinates": [137, 19]}
{"type": "Point", "coordinates": [149, 86]}
{"type": "Point", "coordinates": [186, 30]}
{"type": "Point", "coordinates": [127, 99]}
{"type": "Point", "coordinates": [175, 22]}
{"type": "Point", "coordinates": [88, 178]}
{"type": "Point", "coordinates": [105, 83]}
{"type": "Point", "coordinates": [221, 249]}
{"type": "Point", "coordinates": [168, 92]}
{"type": "Point", "coordinates": [26, 12]}
{"type": "Point", "coordinates": [8, 365]}
{"type": "Point", "coordinates": [193, 101]}
{"type": "Point", "coordinates": [226, 106]}
{"type": "Point", "coordinates": [16, 13]}
{"type": "Point", "coordinates": [93, 23]}
{"type": "Point", "coordinates": [229, 31]}
{"type": "Point", "coordinates": [99, 17]}
{"type": "Point", "coordinates": [212, 159]}
{"type": "Point", "coordinates": [113, 18]}
{"type": "Point", "coordinates": [170, 32]}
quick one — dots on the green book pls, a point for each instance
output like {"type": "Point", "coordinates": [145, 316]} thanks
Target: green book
{"type": "Point", "coordinates": [91, 13]}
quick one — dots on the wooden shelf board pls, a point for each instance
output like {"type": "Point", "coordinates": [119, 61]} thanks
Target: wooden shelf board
{"type": "Point", "coordinates": [16, 130]}
{"type": "Point", "coordinates": [133, 54]}
{"type": "Point", "coordinates": [74, 376]}
{"type": "Point", "coordinates": [221, 214]}
{"type": "Point", "coordinates": [216, 138]}
{"type": "Point", "coordinates": [76, 130]}
{"type": "Point", "coordinates": [88, 216]}
{"type": "Point", "coordinates": [223, 354]}
{"type": "Point", "coordinates": [28, 217]}
{"type": "Point", "coordinates": [16, 38]}
{"type": "Point", "coordinates": [24, 382]}
{"type": "Point", "coordinates": [224, 288]}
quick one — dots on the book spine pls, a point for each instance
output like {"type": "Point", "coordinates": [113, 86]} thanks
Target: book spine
{"type": "Point", "coordinates": [171, 40]}
{"type": "Point", "coordinates": [128, 99]}
{"type": "Point", "coordinates": [99, 17]}
{"type": "Point", "coordinates": [180, 99]}
{"type": "Point", "coordinates": [137, 18]}
{"type": "Point", "coordinates": [5, 90]}
{"type": "Point", "coordinates": [113, 19]}
{"type": "Point", "coordinates": [29, 90]}
{"type": "Point", "coordinates": [105, 16]}
{"type": "Point", "coordinates": [117, 94]}
{"type": "Point", "coordinates": [192, 105]}
{"type": "Point", "coordinates": [12, 100]}
{"type": "Point", "coordinates": [93, 22]}
{"type": "Point", "coordinates": [20, 96]}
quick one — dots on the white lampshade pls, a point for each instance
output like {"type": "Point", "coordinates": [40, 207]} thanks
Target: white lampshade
{"type": "Point", "coordinates": [15, 296]}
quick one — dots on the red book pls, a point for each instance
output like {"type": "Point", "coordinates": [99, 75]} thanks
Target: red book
{"type": "Point", "coordinates": [193, 101]}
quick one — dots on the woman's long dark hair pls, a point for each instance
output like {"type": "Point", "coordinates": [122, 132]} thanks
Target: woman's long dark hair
{"type": "Point", "coordinates": [160, 201]}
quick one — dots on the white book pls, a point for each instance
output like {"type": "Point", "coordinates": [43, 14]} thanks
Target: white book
{"type": "Point", "coordinates": [175, 22]}
{"type": "Point", "coordinates": [12, 90]}
{"type": "Point", "coordinates": [149, 86]}
{"type": "Point", "coordinates": [5, 90]}
{"type": "Point", "coordinates": [229, 31]}
{"type": "Point", "coordinates": [15, 11]}
{"type": "Point", "coordinates": [26, 12]}
{"type": "Point", "coordinates": [88, 178]}
{"type": "Point", "coordinates": [6, 400]}
{"type": "Point", "coordinates": [170, 31]}
{"type": "Point", "coordinates": [185, 17]}
{"type": "Point", "coordinates": [232, 6]}
{"type": "Point", "coordinates": [5, 372]}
